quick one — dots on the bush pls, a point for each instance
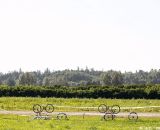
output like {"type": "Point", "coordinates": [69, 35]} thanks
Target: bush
{"type": "Point", "coordinates": [127, 92]}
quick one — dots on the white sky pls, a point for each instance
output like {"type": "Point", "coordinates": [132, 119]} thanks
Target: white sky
{"type": "Point", "coordinates": [64, 34]}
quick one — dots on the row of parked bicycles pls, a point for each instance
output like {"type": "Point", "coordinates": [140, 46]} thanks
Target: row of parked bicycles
{"type": "Point", "coordinates": [49, 108]}
{"type": "Point", "coordinates": [110, 112]}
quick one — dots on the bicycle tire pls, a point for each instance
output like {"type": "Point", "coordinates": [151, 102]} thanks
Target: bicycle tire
{"type": "Point", "coordinates": [62, 116]}
{"type": "Point", "coordinates": [133, 116]}
{"type": "Point", "coordinates": [49, 108]}
{"type": "Point", "coordinates": [102, 108]}
{"type": "Point", "coordinates": [108, 116]}
{"type": "Point", "coordinates": [115, 109]}
{"type": "Point", "coordinates": [37, 108]}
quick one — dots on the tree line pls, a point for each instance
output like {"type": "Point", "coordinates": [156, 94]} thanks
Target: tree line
{"type": "Point", "coordinates": [80, 77]}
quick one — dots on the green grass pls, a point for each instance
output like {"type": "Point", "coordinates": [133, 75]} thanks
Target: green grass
{"type": "Point", "coordinates": [12, 122]}
{"type": "Point", "coordinates": [26, 103]}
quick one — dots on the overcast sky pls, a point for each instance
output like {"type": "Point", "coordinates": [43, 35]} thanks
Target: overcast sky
{"type": "Point", "coordinates": [64, 34]}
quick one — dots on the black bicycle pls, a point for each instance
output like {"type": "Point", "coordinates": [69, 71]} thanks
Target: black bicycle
{"type": "Point", "coordinates": [115, 109]}
{"type": "Point", "coordinates": [49, 108]}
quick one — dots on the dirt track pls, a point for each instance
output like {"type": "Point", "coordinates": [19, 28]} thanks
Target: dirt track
{"type": "Point", "coordinates": [81, 113]}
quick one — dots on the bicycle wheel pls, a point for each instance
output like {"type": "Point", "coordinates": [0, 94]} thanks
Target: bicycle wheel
{"type": "Point", "coordinates": [37, 108]}
{"type": "Point", "coordinates": [102, 108]}
{"type": "Point", "coordinates": [133, 116]}
{"type": "Point", "coordinates": [115, 109]}
{"type": "Point", "coordinates": [49, 108]}
{"type": "Point", "coordinates": [108, 116]}
{"type": "Point", "coordinates": [62, 116]}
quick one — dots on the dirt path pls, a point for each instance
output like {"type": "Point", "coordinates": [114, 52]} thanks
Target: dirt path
{"type": "Point", "coordinates": [80, 113]}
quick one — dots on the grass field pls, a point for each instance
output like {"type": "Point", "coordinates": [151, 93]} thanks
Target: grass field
{"type": "Point", "coordinates": [12, 122]}
{"type": "Point", "coordinates": [22, 103]}
{"type": "Point", "coordinates": [15, 122]}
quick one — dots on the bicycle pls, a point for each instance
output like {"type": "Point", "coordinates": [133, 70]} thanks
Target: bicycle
{"type": "Point", "coordinates": [115, 109]}
{"type": "Point", "coordinates": [49, 108]}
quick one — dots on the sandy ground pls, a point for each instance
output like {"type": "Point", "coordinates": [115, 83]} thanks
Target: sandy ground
{"type": "Point", "coordinates": [121, 114]}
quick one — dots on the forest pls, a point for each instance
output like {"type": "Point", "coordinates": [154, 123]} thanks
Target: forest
{"type": "Point", "coordinates": [80, 77]}
{"type": "Point", "coordinates": [87, 83]}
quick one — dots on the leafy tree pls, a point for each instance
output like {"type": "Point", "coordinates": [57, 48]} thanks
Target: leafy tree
{"type": "Point", "coordinates": [11, 82]}
{"type": "Point", "coordinates": [27, 78]}
{"type": "Point", "coordinates": [106, 79]}
{"type": "Point", "coordinates": [112, 78]}
{"type": "Point", "coordinates": [46, 81]}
